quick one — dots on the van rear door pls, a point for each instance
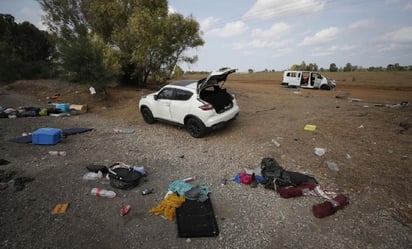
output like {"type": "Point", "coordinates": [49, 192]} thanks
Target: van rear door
{"type": "Point", "coordinates": [292, 78]}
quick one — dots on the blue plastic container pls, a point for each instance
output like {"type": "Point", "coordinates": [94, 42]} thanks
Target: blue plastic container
{"type": "Point", "coordinates": [46, 136]}
{"type": "Point", "coordinates": [63, 106]}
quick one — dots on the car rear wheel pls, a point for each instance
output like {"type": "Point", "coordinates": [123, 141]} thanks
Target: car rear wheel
{"type": "Point", "coordinates": [195, 127]}
{"type": "Point", "coordinates": [147, 115]}
{"type": "Point", "coordinates": [325, 87]}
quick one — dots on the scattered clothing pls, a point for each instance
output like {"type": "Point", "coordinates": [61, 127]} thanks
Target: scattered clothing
{"type": "Point", "coordinates": [167, 207]}
{"type": "Point", "coordinates": [292, 191]}
{"type": "Point", "coordinates": [291, 184]}
{"type": "Point", "coordinates": [246, 178]}
{"type": "Point", "coordinates": [330, 207]}
{"type": "Point", "coordinates": [253, 181]}
{"type": "Point", "coordinates": [193, 192]}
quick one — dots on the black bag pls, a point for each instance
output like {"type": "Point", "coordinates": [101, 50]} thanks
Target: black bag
{"type": "Point", "coordinates": [274, 176]}
{"type": "Point", "coordinates": [270, 168]}
{"type": "Point", "coordinates": [123, 176]}
{"type": "Point", "coordinates": [272, 173]}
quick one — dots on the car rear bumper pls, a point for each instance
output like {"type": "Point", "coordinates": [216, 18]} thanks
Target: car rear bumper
{"type": "Point", "coordinates": [221, 124]}
{"type": "Point", "coordinates": [219, 120]}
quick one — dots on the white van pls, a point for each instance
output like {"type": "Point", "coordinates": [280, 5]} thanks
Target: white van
{"type": "Point", "coordinates": [307, 79]}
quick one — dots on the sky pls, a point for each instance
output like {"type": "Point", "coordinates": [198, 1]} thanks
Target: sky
{"type": "Point", "coordinates": [276, 34]}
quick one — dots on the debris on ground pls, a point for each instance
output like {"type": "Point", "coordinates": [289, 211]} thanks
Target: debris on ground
{"type": "Point", "coordinates": [103, 193]}
{"type": "Point", "coordinates": [291, 184]}
{"type": "Point", "coordinates": [342, 95]}
{"type": "Point", "coordinates": [309, 127]}
{"type": "Point", "coordinates": [65, 132]}
{"type": "Point", "coordinates": [398, 105]}
{"type": "Point", "coordinates": [333, 166]}
{"type": "Point", "coordinates": [123, 176]}
{"type": "Point", "coordinates": [404, 126]}
{"type": "Point", "coordinates": [123, 131]}
{"type": "Point", "coordinates": [319, 151]}
{"type": "Point", "coordinates": [167, 207]}
{"type": "Point", "coordinates": [20, 183]}
{"type": "Point", "coordinates": [125, 210]}
{"type": "Point", "coordinates": [60, 208]}
{"type": "Point", "coordinates": [91, 176]}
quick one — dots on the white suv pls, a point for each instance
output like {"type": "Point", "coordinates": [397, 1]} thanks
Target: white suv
{"type": "Point", "coordinates": [199, 105]}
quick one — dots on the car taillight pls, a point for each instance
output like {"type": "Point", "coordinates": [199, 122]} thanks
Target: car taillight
{"type": "Point", "coordinates": [206, 106]}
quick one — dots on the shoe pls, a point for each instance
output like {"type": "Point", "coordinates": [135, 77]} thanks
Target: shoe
{"type": "Point", "coordinates": [253, 182]}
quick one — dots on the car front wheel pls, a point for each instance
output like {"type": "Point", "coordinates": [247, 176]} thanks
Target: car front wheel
{"type": "Point", "coordinates": [196, 128]}
{"type": "Point", "coordinates": [147, 115]}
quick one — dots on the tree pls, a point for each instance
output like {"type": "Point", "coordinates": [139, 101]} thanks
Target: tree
{"type": "Point", "coordinates": [348, 67]}
{"type": "Point", "coordinates": [312, 67]}
{"type": "Point", "coordinates": [79, 53]}
{"type": "Point", "coordinates": [147, 41]}
{"type": "Point", "coordinates": [333, 67]}
{"type": "Point", "coordinates": [302, 66]}
{"type": "Point", "coordinates": [24, 51]}
{"type": "Point", "coordinates": [177, 73]}
{"type": "Point", "coordinates": [35, 50]}
{"type": "Point", "coordinates": [294, 67]}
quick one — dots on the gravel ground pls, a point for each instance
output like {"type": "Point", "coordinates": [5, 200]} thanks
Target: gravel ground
{"type": "Point", "coordinates": [247, 217]}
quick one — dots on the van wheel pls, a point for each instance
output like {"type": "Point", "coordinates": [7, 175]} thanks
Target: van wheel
{"type": "Point", "coordinates": [325, 87]}
{"type": "Point", "coordinates": [147, 115]}
{"type": "Point", "coordinates": [195, 127]}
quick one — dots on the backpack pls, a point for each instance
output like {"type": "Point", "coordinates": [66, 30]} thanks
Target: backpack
{"type": "Point", "coordinates": [274, 176]}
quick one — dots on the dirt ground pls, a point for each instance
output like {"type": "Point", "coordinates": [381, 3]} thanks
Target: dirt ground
{"type": "Point", "coordinates": [360, 131]}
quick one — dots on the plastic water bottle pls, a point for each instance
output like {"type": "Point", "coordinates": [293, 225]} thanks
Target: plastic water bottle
{"type": "Point", "coordinates": [333, 166]}
{"type": "Point", "coordinates": [189, 179]}
{"type": "Point", "coordinates": [276, 143]}
{"type": "Point", "coordinates": [140, 169]}
{"type": "Point", "coordinates": [57, 153]}
{"type": "Point", "coordinates": [93, 175]}
{"type": "Point", "coordinates": [319, 151]}
{"type": "Point", "coordinates": [124, 131]}
{"type": "Point", "coordinates": [103, 193]}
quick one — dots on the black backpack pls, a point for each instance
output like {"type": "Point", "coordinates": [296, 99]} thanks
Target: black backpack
{"type": "Point", "coordinates": [273, 174]}
{"type": "Point", "coordinates": [275, 177]}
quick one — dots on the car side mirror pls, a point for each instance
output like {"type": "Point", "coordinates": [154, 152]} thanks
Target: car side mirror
{"type": "Point", "coordinates": [155, 97]}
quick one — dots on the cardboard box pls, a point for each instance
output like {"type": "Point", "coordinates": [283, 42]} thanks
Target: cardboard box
{"type": "Point", "coordinates": [79, 108]}
{"type": "Point", "coordinates": [46, 136]}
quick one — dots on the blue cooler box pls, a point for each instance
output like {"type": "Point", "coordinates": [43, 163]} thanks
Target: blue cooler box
{"type": "Point", "coordinates": [47, 136]}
